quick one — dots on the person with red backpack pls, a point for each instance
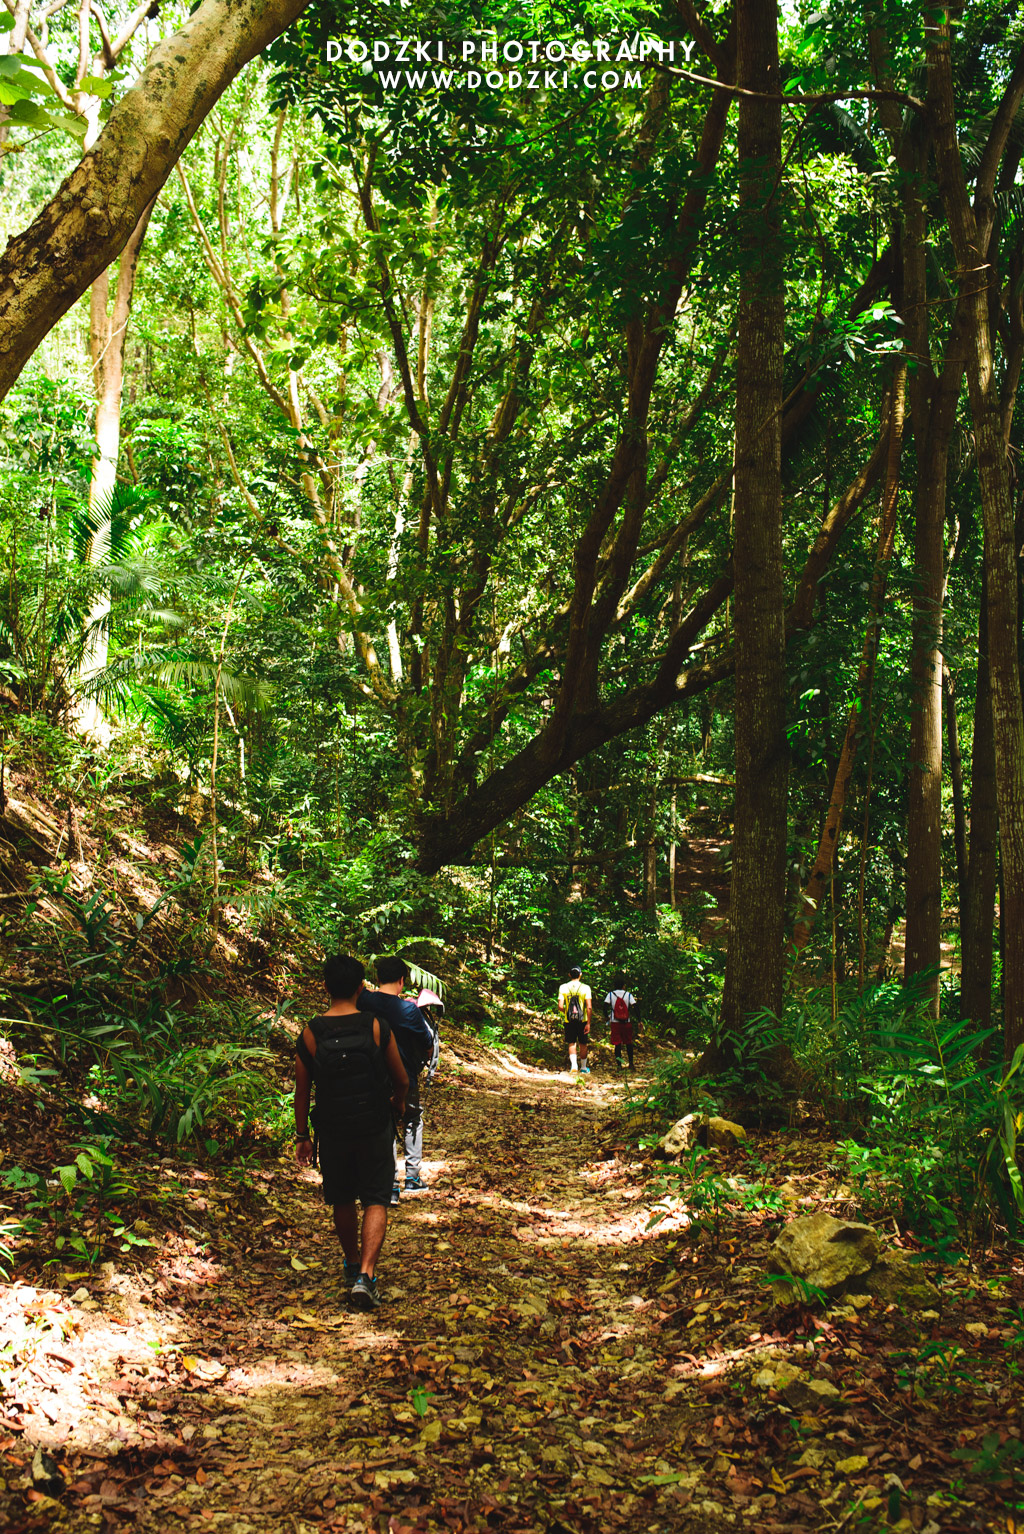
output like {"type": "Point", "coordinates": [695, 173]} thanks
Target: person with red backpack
{"type": "Point", "coordinates": [621, 1006]}
{"type": "Point", "coordinates": [575, 1002]}
{"type": "Point", "coordinates": [350, 1059]}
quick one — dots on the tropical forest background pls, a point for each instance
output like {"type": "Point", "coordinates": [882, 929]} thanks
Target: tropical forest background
{"type": "Point", "coordinates": [525, 528]}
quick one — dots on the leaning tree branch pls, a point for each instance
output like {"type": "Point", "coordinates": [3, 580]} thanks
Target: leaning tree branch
{"type": "Point", "coordinates": [801, 98]}
{"type": "Point", "coordinates": [87, 224]}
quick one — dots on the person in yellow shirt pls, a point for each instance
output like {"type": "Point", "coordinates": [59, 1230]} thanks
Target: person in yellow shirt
{"type": "Point", "coordinates": [575, 1003]}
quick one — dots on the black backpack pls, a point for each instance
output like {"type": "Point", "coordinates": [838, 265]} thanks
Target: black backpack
{"type": "Point", "coordinates": [574, 1009]}
{"type": "Point", "coordinates": [353, 1084]}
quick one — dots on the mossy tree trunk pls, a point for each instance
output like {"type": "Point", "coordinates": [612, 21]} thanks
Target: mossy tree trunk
{"type": "Point", "coordinates": [754, 969]}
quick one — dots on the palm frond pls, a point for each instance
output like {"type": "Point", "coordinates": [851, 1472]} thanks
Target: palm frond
{"type": "Point", "coordinates": [191, 672]}
{"type": "Point", "coordinates": [138, 580]}
{"type": "Point", "coordinates": [101, 532]}
{"type": "Point", "coordinates": [168, 616]}
{"type": "Point", "coordinates": [176, 670]}
{"type": "Point", "coordinates": [1010, 204]}
{"type": "Point", "coordinates": [180, 727]}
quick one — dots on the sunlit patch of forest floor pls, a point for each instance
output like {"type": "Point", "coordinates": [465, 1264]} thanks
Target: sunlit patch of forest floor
{"type": "Point", "coordinates": [545, 1359]}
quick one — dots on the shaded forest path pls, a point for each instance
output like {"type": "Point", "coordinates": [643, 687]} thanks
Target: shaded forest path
{"type": "Point", "coordinates": [511, 1300]}
{"type": "Point", "coordinates": [514, 1318]}
{"type": "Point", "coordinates": [544, 1363]}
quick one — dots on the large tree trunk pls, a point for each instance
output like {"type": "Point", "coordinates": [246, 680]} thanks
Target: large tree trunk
{"type": "Point", "coordinates": [90, 220]}
{"type": "Point", "coordinates": [933, 414]}
{"type": "Point", "coordinates": [754, 968]}
{"type": "Point", "coordinates": [970, 230]}
{"type": "Point", "coordinates": [977, 918]}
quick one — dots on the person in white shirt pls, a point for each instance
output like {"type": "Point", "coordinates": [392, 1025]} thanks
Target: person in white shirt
{"type": "Point", "coordinates": [575, 1002]}
{"type": "Point", "coordinates": [621, 1004]}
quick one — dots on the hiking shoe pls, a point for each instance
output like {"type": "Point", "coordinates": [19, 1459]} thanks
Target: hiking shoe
{"type": "Point", "coordinates": [363, 1293]}
{"type": "Point", "coordinates": [352, 1271]}
{"type": "Point", "coordinates": [395, 1193]}
{"type": "Point", "coordinates": [415, 1185]}
{"type": "Point", "coordinates": [584, 1070]}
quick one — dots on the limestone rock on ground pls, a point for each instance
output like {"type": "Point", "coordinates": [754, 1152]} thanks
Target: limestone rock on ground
{"type": "Point", "coordinates": [831, 1254]}
{"type": "Point", "coordinates": [898, 1281]}
{"type": "Point", "coordinates": [723, 1134]}
{"type": "Point", "coordinates": [698, 1129]}
{"type": "Point", "coordinates": [797, 1389]}
{"type": "Point", "coordinates": [825, 1252]}
{"type": "Point", "coordinates": [683, 1133]}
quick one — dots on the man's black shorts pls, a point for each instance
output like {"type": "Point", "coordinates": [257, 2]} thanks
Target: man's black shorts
{"type": "Point", "coordinates": [575, 1033]}
{"type": "Point", "coordinates": [360, 1169]}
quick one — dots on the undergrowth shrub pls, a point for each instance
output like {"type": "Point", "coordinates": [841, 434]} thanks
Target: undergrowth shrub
{"type": "Point", "coordinates": [679, 981]}
{"type": "Point", "coordinates": [709, 1195]}
{"type": "Point", "coordinates": [940, 1144]}
{"type": "Point", "coordinates": [932, 1129]}
{"type": "Point", "coordinates": [931, 1121]}
{"type": "Point", "coordinates": [101, 1035]}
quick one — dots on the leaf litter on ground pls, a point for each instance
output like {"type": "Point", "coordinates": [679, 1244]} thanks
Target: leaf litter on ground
{"type": "Point", "coordinates": [546, 1357]}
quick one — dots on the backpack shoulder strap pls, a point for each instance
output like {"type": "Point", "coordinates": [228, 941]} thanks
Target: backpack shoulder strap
{"type": "Point", "coordinates": [302, 1049]}
{"type": "Point", "coordinates": [385, 1032]}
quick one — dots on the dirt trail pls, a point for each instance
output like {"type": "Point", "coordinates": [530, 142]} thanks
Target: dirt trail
{"type": "Point", "coordinates": [543, 1364]}
{"type": "Point", "coordinates": [514, 1319]}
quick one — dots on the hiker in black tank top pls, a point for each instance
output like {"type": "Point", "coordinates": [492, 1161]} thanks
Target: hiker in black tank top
{"type": "Point", "coordinates": [350, 1060]}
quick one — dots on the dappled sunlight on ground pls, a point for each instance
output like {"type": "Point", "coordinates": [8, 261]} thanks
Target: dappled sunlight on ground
{"type": "Point", "coordinates": [563, 1345]}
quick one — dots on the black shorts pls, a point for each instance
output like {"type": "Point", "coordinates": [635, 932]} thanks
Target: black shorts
{"type": "Point", "coordinates": [575, 1033]}
{"type": "Point", "coordinates": [359, 1169]}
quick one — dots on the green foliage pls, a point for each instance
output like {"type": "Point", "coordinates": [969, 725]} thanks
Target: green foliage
{"type": "Point", "coordinates": [1000, 1165]}
{"type": "Point", "coordinates": [940, 1127]}
{"type": "Point", "coordinates": [9, 1230]}
{"type": "Point", "coordinates": [666, 1095]}
{"type": "Point", "coordinates": [185, 1091]}
{"type": "Point", "coordinates": [84, 1207]}
{"type": "Point", "coordinates": [699, 1187]}
{"type": "Point", "coordinates": [937, 1370]}
{"type": "Point", "coordinates": [678, 979]}
{"type": "Point", "coordinates": [30, 99]}
{"type": "Point", "coordinates": [791, 1288]}
{"type": "Point", "coordinates": [145, 1063]}
{"type": "Point", "coordinates": [833, 1048]}
{"type": "Point", "coordinates": [995, 1457]}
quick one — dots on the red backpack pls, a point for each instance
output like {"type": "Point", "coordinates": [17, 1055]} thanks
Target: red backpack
{"type": "Point", "coordinates": [620, 1009]}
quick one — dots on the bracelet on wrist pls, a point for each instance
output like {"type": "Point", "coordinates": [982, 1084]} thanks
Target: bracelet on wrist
{"type": "Point", "coordinates": [300, 1138]}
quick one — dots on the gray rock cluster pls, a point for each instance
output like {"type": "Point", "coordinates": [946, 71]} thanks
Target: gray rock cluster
{"type": "Point", "coordinates": [817, 1252]}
